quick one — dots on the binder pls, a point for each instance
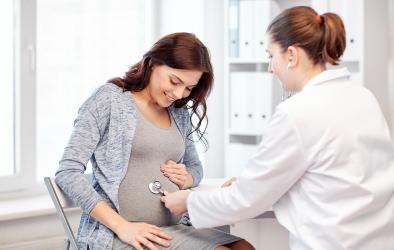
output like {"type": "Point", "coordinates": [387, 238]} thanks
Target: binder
{"type": "Point", "coordinates": [250, 101]}
{"type": "Point", "coordinates": [262, 20]}
{"type": "Point", "coordinates": [246, 29]}
{"type": "Point", "coordinates": [263, 96]}
{"type": "Point", "coordinates": [264, 13]}
{"type": "Point", "coordinates": [237, 158]}
{"type": "Point", "coordinates": [233, 28]}
{"type": "Point", "coordinates": [320, 6]}
{"type": "Point", "coordinates": [353, 26]}
{"type": "Point", "coordinates": [337, 7]}
{"type": "Point", "coordinates": [237, 101]}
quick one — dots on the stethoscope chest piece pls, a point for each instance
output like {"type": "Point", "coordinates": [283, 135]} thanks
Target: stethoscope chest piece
{"type": "Point", "coordinates": [155, 187]}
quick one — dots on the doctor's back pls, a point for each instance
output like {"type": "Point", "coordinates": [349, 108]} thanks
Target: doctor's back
{"type": "Point", "coordinates": [346, 194]}
{"type": "Point", "coordinates": [326, 160]}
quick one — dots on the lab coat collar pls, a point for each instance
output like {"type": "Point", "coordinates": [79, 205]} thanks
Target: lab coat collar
{"type": "Point", "coordinates": [329, 76]}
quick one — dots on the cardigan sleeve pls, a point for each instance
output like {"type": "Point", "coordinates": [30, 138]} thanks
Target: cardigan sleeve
{"type": "Point", "coordinates": [191, 159]}
{"type": "Point", "coordinates": [79, 150]}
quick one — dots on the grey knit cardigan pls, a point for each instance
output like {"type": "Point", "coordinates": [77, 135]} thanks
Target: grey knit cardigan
{"type": "Point", "coordinates": [103, 133]}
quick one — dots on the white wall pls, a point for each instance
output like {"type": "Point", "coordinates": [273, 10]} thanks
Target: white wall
{"type": "Point", "coordinates": [377, 53]}
{"type": "Point", "coordinates": [391, 66]}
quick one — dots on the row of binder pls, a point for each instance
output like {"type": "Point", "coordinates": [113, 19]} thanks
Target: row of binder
{"type": "Point", "coordinates": [250, 101]}
{"type": "Point", "coordinates": [351, 13]}
{"type": "Point", "coordinates": [248, 22]}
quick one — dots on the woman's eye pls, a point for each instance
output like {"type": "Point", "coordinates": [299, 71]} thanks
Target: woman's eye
{"type": "Point", "coordinates": [174, 83]}
{"type": "Point", "coordinates": [189, 89]}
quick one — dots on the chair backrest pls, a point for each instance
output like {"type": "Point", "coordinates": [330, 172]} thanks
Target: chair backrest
{"type": "Point", "coordinates": [61, 202]}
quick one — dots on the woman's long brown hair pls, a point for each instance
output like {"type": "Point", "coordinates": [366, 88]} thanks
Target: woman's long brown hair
{"type": "Point", "coordinates": [179, 51]}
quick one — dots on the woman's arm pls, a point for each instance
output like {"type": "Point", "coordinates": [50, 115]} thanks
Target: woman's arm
{"type": "Point", "coordinates": [131, 233]}
{"type": "Point", "coordinates": [80, 148]}
{"type": "Point", "coordinates": [190, 173]}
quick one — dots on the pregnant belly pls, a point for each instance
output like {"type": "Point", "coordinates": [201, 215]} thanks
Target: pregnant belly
{"type": "Point", "coordinates": [138, 204]}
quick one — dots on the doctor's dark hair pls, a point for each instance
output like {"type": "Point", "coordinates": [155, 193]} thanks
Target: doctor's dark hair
{"type": "Point", "coordinates": [179, 51]}
{"type": "Point", "coordinates": [323, 37]}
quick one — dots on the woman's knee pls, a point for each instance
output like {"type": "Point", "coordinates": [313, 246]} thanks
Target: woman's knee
{"type": "Point", "coordinates": [239, 245]}
{"type": "Point", "coordinates": [222, 248]}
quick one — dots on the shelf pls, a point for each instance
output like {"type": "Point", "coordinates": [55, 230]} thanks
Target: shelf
{"type": "Point", "coordinates": [247, 60]}
{"type": "Point", "coordinates": [237, 60]}
{"type": "Point", "coordinates": [252, 133]}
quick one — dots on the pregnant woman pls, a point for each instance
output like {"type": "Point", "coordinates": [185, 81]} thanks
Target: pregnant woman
{"type": "Point", "coordinates": [135, 130]}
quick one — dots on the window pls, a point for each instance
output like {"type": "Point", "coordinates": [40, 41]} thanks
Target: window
{"type": "Point", "coordinates": [7, 92]}
{"type": "Point", "coordinates": [64, 50]}
{"type": "Point", "coordinates": [80, 45]}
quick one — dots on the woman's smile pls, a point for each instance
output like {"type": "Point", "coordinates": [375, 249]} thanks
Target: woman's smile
{"type": "Point", "coordinates": [169, 99]}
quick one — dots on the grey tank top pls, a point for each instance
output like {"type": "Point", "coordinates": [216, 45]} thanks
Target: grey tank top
{"type": "Point", "coordinates": [152, 147]}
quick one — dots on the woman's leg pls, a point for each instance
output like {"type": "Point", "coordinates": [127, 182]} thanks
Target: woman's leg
{"type": "Point", "coordinates": [222, 248]}
{"type": "Point", "coordinates": [239, 245]}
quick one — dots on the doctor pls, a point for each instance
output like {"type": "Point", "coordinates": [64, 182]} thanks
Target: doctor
{"type": "Point", "coordinates": [326, 161]}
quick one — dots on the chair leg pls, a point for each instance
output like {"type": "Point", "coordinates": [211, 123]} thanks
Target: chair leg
{"type": "Point", "coordinates": [66, 245]}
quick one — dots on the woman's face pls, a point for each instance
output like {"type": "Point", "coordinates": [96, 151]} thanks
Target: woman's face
{"type": "Point", "coordinates": [167, 85]}
{"type": "Point", "coordinates": [278, 62]}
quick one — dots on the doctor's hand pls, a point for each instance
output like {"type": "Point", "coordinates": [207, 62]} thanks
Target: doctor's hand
{"type": "Point", "coordinates": [177, 174]}
{"type": "Point", "coordinates": [228, 183]}
{"type": "Point", "coordinates": [176, 201]}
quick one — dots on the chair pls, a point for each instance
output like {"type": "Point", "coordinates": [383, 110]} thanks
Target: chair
{"type": "Point", "coordinates": [61, 202]}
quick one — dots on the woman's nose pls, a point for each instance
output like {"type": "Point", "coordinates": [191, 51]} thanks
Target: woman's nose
{"type": "Point", "coordinates": [178, 92]}
{"type": "Point", "coordinates": [270, 68]}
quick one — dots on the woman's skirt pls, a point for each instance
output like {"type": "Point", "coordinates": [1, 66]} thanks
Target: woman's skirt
{"type": "Point", "coordinates": [188, 238]}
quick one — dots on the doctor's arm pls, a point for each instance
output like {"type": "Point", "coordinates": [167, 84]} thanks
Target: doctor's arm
{"type": "Point", "coordinates": [272, 171]}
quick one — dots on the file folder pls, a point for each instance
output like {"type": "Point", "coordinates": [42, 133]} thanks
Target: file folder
{"type": "Point", "coordinates": [263, 97]}
{"type": "Point", "coordinates": [233, 28]}
{"type": "Point", "coordinates": [237, 101]}
{"type": "Point", "coordinates": [246, 29]}
{"type": "Point", "coordinates": [262, 20]}
{"type": "Point", "coordinates": [337, 7]}
{"type": "Point", "coordinates": [320, 6]}
{"type": "Point", "coordinates": [250, 101]}
{"type": "Point", "coordinates": [353, 26]}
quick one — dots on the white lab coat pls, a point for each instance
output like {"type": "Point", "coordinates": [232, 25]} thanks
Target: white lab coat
{"type": "Point", "coordinates": [325, 164]}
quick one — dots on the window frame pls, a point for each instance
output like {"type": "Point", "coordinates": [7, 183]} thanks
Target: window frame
{"type": "Point", "coordinates": [24, 182]}
{"type": "Point", "coordinates": [25, 99]}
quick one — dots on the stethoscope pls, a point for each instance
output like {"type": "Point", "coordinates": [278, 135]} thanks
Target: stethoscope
{"type": "Point", "coordinates": [155, 187]}
{"type": "Point", "coordinates": [284, 97]}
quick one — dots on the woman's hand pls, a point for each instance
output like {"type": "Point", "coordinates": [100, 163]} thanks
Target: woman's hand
{"type": "Point", "coordinates": [136, 234]}
{"type": "Point", "coordinates": [177, 174]}
{"type": "Point", "coordinates": [228, 183]}
{"type": "Point", "coordinates": [132, 233]}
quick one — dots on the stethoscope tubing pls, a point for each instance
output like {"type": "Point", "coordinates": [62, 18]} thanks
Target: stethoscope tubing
{"type": "Point", "coordinates": [284, 97]}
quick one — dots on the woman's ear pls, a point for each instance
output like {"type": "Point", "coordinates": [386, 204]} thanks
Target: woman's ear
{"type": "Point", "coordinates": [293, 56]}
